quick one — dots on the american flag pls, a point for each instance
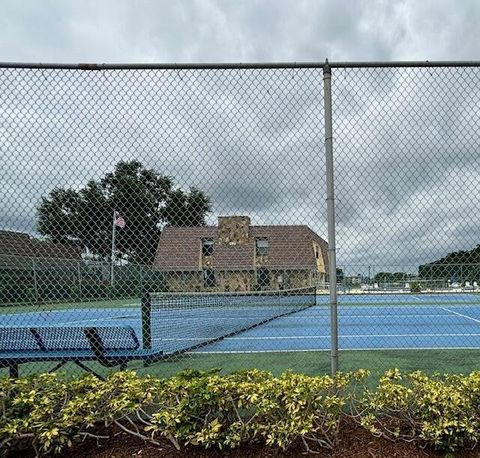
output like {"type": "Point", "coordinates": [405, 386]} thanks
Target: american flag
{"type": "Point", "coordinates": [119, 222]}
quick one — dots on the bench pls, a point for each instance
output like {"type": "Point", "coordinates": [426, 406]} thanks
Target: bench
{"type": "Point", "coordinates": [109, 345]}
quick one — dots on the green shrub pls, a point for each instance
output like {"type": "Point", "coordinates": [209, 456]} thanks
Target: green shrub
{"type": "Point", "coordinates": [16, 285]}
{"type": "Point", "coordinates": [227, 411]}
{"type": "Point", "coordinates": [439, 411]}
{"type": "Point", "coordinates": [49, 413]}
{"type": "Point", "coordinates": [415, 287]}
{"type": "Point", "coordinates": [192, 408]}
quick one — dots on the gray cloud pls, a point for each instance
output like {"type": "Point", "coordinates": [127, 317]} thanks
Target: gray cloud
{"type": "Point", "coordinates": [202, 30]}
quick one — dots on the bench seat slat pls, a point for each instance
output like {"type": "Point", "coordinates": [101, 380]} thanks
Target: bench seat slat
{"type": "Point", "coordinates": [70, 338]}
{"type": "Point", "coordinates": [109, 345]}
{"type": "Point", "coordinates": [17, 339]}
{"type": "Point", "coordinates": [65, 338]}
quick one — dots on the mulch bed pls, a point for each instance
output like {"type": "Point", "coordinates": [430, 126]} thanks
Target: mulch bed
{"type": "Point", "coordinates": [354, 441]}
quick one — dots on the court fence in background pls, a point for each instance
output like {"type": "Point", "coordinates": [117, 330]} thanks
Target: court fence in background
{"type": "Point", "coordinates": [230, 191]}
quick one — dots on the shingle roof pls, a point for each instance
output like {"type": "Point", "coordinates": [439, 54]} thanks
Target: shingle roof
{"type": "Point", "coordinates": [289, 247]}
{"type": "Point", "coordinates": [21, 244]}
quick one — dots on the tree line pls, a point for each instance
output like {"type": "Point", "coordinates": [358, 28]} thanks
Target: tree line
{"type": "Point", "coordinates": [455, 266]}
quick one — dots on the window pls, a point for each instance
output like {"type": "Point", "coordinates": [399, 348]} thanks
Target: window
{"type": "Point", "coordinates": [263, 277]}
{"type": "Point", "coordinates": [207, 247]}
{"type": "Point", "coordinates": [261, 247]}
{"type": "Point", "coordinates": [208, 278]}
{"type": "Point", "coordinates": [316, 252]}
{"type": "Point", "coordinates": [185, 277]}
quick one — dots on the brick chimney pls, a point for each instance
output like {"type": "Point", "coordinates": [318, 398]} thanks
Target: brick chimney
{"type": "Point", "coordinates": [233, 230]}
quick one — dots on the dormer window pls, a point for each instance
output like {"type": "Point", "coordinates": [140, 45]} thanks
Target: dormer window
{"type": "Point", "coordinates": [207, 247]}
{"type": "Point", "coordinates": [261, 247]}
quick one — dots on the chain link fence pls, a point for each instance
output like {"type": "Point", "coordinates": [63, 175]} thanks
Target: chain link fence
{"type": "Point", "coordinates": [165, 217]}
{"type": "Point", "coordinates": [408, 240]}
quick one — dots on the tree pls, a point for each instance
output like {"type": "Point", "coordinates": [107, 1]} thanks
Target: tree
{"type": "Point", "coordinates": [145, 199]}
{"type": "Point", "coordinates": [392, 277]}
{"type": "Point", "coordinates": [457, 266]}
{"type": "Point", "coordinates": [186, 209]}
{"type": "Point", "coordinates": [340, 275]}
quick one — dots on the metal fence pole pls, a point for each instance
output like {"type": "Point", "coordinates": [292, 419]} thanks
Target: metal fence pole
{"type": "Point", "coordinates": [79, 270]}
{"type": "Point", "coordinates": [146, 306]}
{"type": "Point", "coordinates": [35, 281]}
{"type": "Point", "coordinates": [332, 263]}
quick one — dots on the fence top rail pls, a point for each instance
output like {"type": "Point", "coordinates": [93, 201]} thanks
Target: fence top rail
{"type": "Point", "coordinates": [238, 65]}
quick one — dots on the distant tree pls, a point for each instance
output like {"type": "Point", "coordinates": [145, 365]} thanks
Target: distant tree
{"type": "Point", "coordinates": [391, 277]}
{"type": "Point", "coordinates": [144, 198]}
{"type": "Point", "coordinates": [415, 287]}
{"type": "Point", "coordinates": [186, 209]}
{"type": "Point", "coordinates": [340, 275]}
{"type": "Point", "coordinates": [458, 266]}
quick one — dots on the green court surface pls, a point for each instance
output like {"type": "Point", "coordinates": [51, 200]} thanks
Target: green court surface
{"type": "Point", "coordinates": [318, 363]}
{"type": "Point", "coordinates": [105, 303]}
{"type": "Point", "coordinates": [311, 363]}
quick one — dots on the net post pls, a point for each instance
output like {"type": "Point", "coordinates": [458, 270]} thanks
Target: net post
{"type": "Point", "coordinates": [146, 321]}
{"type": "Point", "coordinates": [332, 264]}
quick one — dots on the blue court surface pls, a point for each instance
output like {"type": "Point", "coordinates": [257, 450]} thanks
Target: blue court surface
{"type": "Point", "coordinates": [366, 321]}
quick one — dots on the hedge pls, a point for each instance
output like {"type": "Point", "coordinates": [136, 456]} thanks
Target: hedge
{"type": "Point", "coordinates": [39, 281]}
{"type": "Point", "coordinates": [50, 413]}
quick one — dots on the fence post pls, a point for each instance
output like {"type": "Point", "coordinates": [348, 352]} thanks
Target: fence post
{"type": "Point", "coordinates": [332, 263]}
{"type": "Point", "coordinates": [35, 281]}
{"type": "Point", "coordinates": [79, 270]}
{"type": "Point", "coordinates": [146, 306]}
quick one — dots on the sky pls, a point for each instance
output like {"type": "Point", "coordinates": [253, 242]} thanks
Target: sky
{"type": "Point", "coordinates": [228, 30]}
{"type": "Point", "coordinates": [406, 151]}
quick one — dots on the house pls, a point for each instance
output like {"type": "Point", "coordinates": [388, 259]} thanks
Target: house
{"type": "Point", "coordinates": [17, 249]}
{"type": "Point", "coordinates": [34, 270]}
{"type": "Point", "coordinates": [236, 256]}
{"type": "Point", "coordinates": [353, 280]}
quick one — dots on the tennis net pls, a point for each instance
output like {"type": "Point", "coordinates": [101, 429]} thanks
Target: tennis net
{"type": "Point", "coordinates": [176, 323]}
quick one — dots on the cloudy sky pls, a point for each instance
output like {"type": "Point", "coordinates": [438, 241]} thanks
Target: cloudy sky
{"type": "Point", "coordinates": [406, 143]}
{"type": "Point", "coordinates": [228, 30]}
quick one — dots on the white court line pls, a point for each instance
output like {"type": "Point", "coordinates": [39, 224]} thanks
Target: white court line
{"type": "Point", "coordinates": [350, 336]}
{"type": "Point", "coordinates": [94, 320]}
{"type": "Point", "coordinates": [460, 314]}
{"type": "Point", "coordinates": [85, 310]}
{"type": "Point", "coordinates": [388, 315]}
{"type": "Point", "coordinates": [200, 352]}
{"type": "Point", "coordinates": [325, 317]}
{"type": "Point", "coordinates": [388, 307]}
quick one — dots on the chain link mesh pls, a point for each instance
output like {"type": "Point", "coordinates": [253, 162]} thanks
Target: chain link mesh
{"type": "Point", "coordinates": [408, 217]}
{"type": "Point", "coordinates": [161, 219]}
{"type": "Point", "coordinates": [125, 184]}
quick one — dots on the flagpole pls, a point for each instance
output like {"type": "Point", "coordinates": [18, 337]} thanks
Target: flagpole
{"type": "Point", "coordinates": [112, 267]}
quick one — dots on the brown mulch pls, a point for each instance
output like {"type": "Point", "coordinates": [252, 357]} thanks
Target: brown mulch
{"type": "Point", "coordinates": [354, 441]}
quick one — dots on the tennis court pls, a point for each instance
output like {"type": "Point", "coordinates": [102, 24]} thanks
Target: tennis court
{"type": "Point", "coordinates": [370, 322]}
{"type": "Point", "coordinates": [366, 322]}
